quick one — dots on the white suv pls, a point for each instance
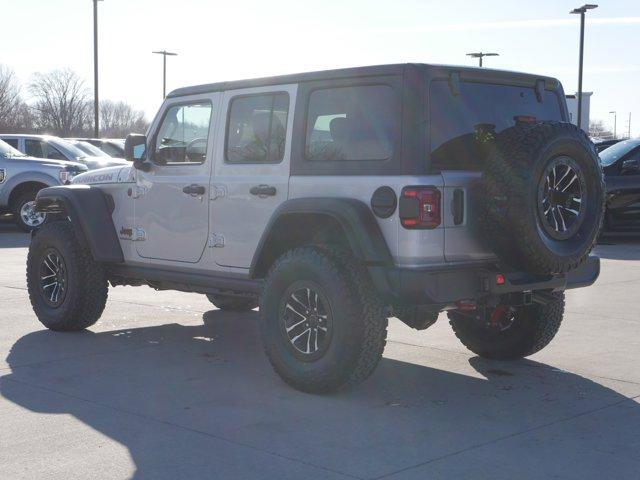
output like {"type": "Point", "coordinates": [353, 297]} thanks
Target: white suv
{"type": "Point", "coordinates": [333, 200]}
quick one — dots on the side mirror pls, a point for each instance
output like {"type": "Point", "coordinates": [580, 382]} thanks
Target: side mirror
{"type": "Point", "coordinates": [135, 150]}
{"type": "Point", "coordinates": [631, 166]}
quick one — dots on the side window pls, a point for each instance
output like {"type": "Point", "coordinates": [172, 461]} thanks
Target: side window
{"type": "Point", "coordinates": [184, 134]}
{"type": "Point", "coordinates": [13, 142]}
{"type": "Point", "coordinates": [33, 148]}
{"type": "Point", "coordinates": [256, 129]}
{"type": "Point", "coordinates": [351, 123]}
{"type": "Point", "coordinates": [52, 152]}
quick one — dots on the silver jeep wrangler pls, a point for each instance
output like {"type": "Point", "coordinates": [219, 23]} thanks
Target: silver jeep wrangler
{"type": "Point", "coordinates": [334, 200]}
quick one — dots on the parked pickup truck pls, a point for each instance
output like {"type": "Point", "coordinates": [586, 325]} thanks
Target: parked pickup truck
{"type": "Point", "coordinates": [22, 177]}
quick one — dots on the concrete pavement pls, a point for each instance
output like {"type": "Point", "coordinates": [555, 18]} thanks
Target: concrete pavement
{"type": "Point", "coordinates": [166, 387]}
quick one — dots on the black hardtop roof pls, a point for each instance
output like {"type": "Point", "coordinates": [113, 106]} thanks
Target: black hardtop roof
{"type": "Point", "coordinates": [466, 73]}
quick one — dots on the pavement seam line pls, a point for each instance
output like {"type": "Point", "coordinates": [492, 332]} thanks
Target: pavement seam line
{"type": "Point", "coordinates": [183, 427]}
{"type": "Point", "coordinates": [507, 437]}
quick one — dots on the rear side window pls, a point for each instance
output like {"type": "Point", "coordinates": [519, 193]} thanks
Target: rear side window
{"type": "Point", "coordinates": [33, 148]}
{"type": "Point", "coordinates": [459, 124]}
{"type": "Point", "coordinates": [351, 123]}
{"type": "Point", "coordinates": [256, 129]}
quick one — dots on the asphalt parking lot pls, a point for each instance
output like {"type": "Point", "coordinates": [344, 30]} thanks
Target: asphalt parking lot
{"type": "Point", "coordinates": [165, 387]}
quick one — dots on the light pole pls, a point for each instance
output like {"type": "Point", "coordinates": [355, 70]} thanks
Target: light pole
{"type": "Point", "coordinates": [480, 55]}
{"type": "Point", "coordinates": [581, 10]}
{"type": "Point", "coordinates": [164, 54]}
{"type": "Point", "coordinates": [96, 105]}
{"type": "Point", "coordinates": [615, 123]}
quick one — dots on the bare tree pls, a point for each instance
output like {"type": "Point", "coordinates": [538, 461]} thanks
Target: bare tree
{"type": "Point", "coordinates": [117, 119]}
{"type": "Point", "coordinates": [61, 103]}
{"type": "Point", "coordinates": [597, 129]}
{"type": "Point", "coordinates": [15, 116]}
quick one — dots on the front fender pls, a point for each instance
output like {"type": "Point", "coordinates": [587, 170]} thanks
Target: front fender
{"type": "Point", "coordinates": [13, 181]}
{"type": "Point", "coordinates": [90, 214]}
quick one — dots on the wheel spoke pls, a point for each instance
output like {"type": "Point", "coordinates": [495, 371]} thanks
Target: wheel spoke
{"type": "Point", "coordinates": [573, 179]}
{"type": "Point", "coordinates": [296, 324]}
{"type": "Point", "coordinates": [564, 225]}
{"type": "Point", "coordinates": [300, 335]}
{"type": "Point", "coordinates": [300, 302]}
{"type": "Point", "coordinates": [295, 311]}
{"type": "Point", "coordinates": [308, 342]}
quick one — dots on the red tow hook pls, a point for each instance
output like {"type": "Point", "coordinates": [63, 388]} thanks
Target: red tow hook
{"type": "Point", "coordinates": [497, 314]}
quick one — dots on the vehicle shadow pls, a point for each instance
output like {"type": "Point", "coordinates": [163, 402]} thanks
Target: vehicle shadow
{"type": "Point", "coordinates": [619, 247]}
{"type": "Point", "coordinates": [167, 392]}
{"type": "Point", "coordinates": [10, 235]}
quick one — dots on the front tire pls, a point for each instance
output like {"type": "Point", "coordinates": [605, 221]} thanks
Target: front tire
{"type": "Point", "coordinates": [321, 324]}
{"type": "Point", "coordinates": [24, 214]}
{"type": "Point", "coordinates": [513, 332]}
{"type": "Point", "coordinates": [67, 288]}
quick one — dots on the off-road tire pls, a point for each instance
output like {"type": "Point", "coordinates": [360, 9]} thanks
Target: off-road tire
{"type": "Point", "coordinates": [359, 321]}
{"type": "Point", "coordinates": [86, 281]}
{"type": "Point", "coordinates": [533, 329]}
{"type": "Point", "coordinates": [16, 208]}
{"type": "Point", "coordinates": [509, 218]}
{"type": "Point", "coordinates": [232, 304]}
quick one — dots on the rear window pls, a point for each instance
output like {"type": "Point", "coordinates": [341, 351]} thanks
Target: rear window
{"type": "Point", "coordinates": [460, 123]}
{"type": "Point", "coordinates": [351, 123]}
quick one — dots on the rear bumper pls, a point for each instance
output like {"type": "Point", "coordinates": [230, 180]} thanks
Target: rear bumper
{"type": "Point", "coordinates": [443, 285]}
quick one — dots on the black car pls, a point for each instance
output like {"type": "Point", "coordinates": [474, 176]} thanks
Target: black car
{"type": "Point", "coordinates": [604, 144]}
{"type": "Point", "coordinates": [621, 166]}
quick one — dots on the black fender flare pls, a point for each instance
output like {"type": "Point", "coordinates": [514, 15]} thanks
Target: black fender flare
{"type": "Point", "coordinates": [354, 217]}
{"type": "Point", "coordinates": [89, 210]}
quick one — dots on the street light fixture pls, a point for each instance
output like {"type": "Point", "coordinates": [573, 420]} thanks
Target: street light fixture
{"type": "Point", "coordinates": [480, 55]}
{"type": "Point", "coordinates": [615, 123]}
{"type": "Point", "coordinates": [581, 10]}
{"type": "Point", "coordinates": [96, 105]}
{"type": "Point", "coordinates": [164, 54]}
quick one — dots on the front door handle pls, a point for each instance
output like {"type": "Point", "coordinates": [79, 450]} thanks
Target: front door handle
{"type": "Point", "coordinates": [194, 190]}
{"type": "Point", "coordinates": [263, 190]}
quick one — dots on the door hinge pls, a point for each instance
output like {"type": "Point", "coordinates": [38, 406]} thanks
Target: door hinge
{"type": "Point", "coordinates": [216, 240]}
{"type": "Point", "coordinates": [135, 234]}
{"type": "Point", "coordinates": [137, 191]}
{"type": "Point", "coordinates": [217, 191]}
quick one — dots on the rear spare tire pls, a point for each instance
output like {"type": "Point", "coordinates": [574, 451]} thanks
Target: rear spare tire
{"type": "Point", "coordinates": [542, 197]}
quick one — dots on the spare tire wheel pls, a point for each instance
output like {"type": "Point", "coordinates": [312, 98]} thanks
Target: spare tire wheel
{"type": "Point", "coordinates": [542, 194]}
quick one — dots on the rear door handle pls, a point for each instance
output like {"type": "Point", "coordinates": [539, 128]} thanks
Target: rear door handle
{"type": "Point", "coordinates": [194, 190]}
{"type": "Point", "coordinates": [263, 190]}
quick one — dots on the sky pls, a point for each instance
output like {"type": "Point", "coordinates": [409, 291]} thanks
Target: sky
{"type": "Point", "coordinates": [227, 40]}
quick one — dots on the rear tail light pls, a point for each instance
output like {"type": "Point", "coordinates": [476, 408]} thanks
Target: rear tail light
{"type": "Point", "coordinates": [420, 207]}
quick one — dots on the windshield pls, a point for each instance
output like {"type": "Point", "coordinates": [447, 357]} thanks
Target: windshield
{"type": "Point", "coordinates": [89, 149]}
{"type": "Point", "coordinates": [69, 147]}
{"type": "Point", "coordinates": [7, 150]}
{"type": "Point", "coordinates": [611, 155]}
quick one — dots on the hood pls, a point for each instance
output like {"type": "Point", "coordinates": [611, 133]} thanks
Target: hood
{"type": "Point", "coordinates": [45, 162]}
{"type": "Point", "coordinates": [94, 163]}
{"type": "Point", "coordinates": [116, 174]}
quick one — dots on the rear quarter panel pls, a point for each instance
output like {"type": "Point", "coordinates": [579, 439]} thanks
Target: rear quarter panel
{"type": "Point", "coordinates": [409, 248]}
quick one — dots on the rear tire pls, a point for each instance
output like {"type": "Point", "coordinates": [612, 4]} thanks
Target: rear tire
{"type": "Point", "coordinates": [23, 214]}
{"type": "Point", "coordinates": [532, 328]}
{"type": "Point", "coordinates": [232, 304]}
{"type": "Point", "coordinates": [67, 288]}
{"type": "Point", "coordinates": [321, 323]}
